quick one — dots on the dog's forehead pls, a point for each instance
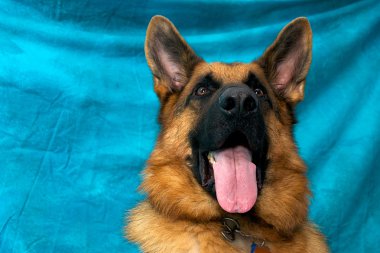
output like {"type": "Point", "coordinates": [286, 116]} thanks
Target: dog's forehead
{"type": "Point", "coordinates": [229, 73]}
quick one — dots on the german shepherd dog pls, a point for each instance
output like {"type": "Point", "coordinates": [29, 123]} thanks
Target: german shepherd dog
{"type": "Point", "coordinates": [225, 174]}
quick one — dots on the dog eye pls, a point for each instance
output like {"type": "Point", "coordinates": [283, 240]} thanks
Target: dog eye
{"type": "Point", "coordinates": [202, 91]}
{"type": "Point", "coordinates": [259, 92]}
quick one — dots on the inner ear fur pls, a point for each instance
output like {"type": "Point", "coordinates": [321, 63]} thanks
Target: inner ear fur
{"type": "Point", "coordinates": [287, 61]}
{"type": "Point", "coordinates": [169, 57]}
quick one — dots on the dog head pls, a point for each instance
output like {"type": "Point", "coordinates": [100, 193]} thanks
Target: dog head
{"type": "Point", "coordinates": [226, 141]}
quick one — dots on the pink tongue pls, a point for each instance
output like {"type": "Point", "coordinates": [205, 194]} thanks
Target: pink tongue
{"type": "Point", "coordinates": [235, 179]}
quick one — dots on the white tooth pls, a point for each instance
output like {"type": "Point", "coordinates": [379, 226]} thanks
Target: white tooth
{"type": "Point", "coordinates": [211, 157]}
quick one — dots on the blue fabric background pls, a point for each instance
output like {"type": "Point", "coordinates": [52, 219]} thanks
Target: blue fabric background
{"type": "Point", "coordinates": [78, 114]}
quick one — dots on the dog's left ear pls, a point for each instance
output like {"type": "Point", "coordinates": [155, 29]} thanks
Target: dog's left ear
{"type": "Point", "coordinates": [287, 61]}
{"type": "Point", "coordinates": [169, 57]}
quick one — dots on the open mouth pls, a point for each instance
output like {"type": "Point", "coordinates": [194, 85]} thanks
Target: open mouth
{"type": "Point", "coordinates": [231, 172]}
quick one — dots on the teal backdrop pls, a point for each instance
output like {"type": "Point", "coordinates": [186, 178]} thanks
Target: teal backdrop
{"type": "Point", "coordinates": [78, 113]}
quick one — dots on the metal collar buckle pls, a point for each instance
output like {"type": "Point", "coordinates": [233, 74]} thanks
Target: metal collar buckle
{"type": "Point", "coordinates": [232, 226]}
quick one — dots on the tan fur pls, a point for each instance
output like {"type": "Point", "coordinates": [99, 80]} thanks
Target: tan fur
{"type": "Point", "coordinates": [179, 216]}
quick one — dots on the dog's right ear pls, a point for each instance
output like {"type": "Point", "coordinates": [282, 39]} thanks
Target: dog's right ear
{"type": "Point", "coordinates": [169, 57]}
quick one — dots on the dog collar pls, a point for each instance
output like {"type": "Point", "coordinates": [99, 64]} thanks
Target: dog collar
{"type": "Point", "coordinates": [231, 227]}
{"type": "Point", "coordinates": [253, 248]}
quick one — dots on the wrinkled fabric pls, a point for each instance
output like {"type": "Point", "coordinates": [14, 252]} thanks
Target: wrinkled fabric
{"type": "Point", "coordinates": [78, 113]}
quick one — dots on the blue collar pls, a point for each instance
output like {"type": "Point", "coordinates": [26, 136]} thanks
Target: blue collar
{"type": "Point", "coordinates": [253, 247]}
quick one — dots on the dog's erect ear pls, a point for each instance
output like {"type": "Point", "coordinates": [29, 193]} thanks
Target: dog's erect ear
{"type": "Point", "coordinates": [169, 56]}
{"type": "Point", "coordinates": [287, 61]}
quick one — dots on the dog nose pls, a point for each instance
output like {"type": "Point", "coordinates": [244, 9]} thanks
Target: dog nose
{"type": "Point", "coordinates": [238, 100]}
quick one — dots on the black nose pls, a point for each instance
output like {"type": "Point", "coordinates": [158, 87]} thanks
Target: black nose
{"type": "Point", "coordinates": [238, 100]}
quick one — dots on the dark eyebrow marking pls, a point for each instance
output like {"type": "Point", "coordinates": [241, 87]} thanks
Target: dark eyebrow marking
{"type": "Point", "coordinates": [208, 80]}
{"type": "Point", "coordinates": [253, 82]}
